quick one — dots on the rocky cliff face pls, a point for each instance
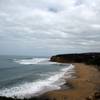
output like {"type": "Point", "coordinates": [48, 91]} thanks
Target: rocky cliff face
{"type": "Point", "coordinates": [89, 58]}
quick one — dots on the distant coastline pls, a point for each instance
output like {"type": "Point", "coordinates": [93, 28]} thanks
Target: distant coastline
{"type": "Point", "coordinates": [85, 86]}
{"type": "Point", "coordinates": [87, 58]}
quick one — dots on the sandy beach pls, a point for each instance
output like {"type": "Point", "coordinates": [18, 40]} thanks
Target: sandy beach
{"type": "Point", "coordinates": [85, 87]}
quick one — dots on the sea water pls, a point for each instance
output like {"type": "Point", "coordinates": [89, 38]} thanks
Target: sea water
{"type": "Point", "coordinates": [24, 76]}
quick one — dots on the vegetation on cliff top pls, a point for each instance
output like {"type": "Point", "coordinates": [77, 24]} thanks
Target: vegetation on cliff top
{"type": "Point", "coordinates": [88, 58]}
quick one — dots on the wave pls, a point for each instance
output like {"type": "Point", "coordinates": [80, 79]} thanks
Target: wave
{"type": "Point", "coordinates": [29, 89]}
{"type": "Point", "coordinates": [33, 61]}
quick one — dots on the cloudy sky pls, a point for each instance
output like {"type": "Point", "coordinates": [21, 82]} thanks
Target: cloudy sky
{"type": "Point", "coordinates": [46, 27]}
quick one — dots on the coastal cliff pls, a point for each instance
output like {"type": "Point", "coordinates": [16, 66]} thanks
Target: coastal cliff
{"type": "Point", "coordinates": [88, 58]}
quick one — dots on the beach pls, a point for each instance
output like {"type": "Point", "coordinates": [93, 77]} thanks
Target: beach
{"type": "Point", "coordinates": [85, 87]}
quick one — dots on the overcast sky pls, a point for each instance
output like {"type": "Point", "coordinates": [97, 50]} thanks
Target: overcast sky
{"type": "Point", "coordinates": [47, 27]}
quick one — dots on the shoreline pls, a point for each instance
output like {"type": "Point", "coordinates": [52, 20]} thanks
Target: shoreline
{"type": "Point", "coordinates": [86, 86]}
{"type": "Point", "coordinates": [54, 82]}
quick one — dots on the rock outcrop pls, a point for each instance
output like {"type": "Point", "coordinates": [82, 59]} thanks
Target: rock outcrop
{"type": "Point", "coordinates": [88, 58]}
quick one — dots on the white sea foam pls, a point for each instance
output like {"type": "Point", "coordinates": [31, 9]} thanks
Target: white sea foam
{"type": "Point", "coordinates": [34, 61]}
{"type": "Point", "coordinates": [27, 90]}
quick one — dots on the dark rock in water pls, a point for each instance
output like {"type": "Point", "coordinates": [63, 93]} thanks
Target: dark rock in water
{"type": "Point", "coordinates": [88, 58]}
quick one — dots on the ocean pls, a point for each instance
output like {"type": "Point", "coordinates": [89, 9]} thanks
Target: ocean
{"type": "Point", "coordinates": [27, 76]}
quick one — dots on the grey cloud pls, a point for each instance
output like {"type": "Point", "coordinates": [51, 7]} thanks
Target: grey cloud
{"type": "Point", "coordinates": [71, 25]}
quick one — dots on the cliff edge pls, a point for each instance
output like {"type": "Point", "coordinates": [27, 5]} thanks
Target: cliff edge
{"type": "Point", "coordinates": [87, 58]}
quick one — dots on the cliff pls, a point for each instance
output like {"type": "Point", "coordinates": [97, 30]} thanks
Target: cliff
{"type": "Point", "coordinates": [88, 58]}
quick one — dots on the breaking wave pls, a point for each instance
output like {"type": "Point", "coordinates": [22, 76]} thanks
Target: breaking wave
{"type": "Point", "coordinates": [34, 61]}
{"type": "Point", "coordinates": [26, 90]}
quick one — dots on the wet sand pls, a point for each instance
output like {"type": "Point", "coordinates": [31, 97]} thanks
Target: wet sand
{"type": "Point", "coordinates": [84, 87]}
